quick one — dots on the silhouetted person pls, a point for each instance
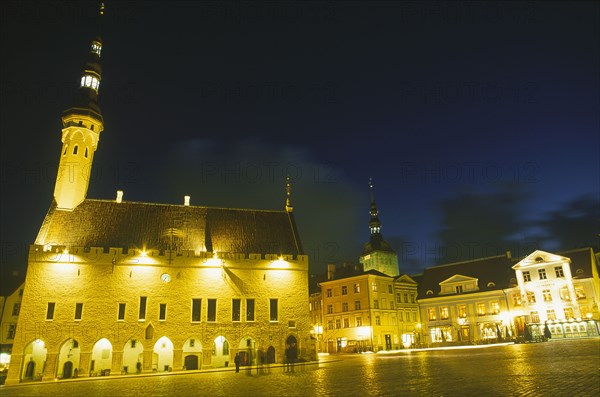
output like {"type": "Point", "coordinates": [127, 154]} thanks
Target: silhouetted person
{"type": "Point", "coordinates": [236, 360]}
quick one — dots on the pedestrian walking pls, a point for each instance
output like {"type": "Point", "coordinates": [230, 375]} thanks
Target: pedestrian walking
{"type": "Point", "coordinates": [236, 360]}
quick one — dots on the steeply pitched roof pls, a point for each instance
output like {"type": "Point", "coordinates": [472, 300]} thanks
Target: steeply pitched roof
{"type": "Point", "coordinates": [583, 261]}
{"type": "Point", "coordinates": [106, 223]}
{"type": "Point", "coordinates": [496, 270]}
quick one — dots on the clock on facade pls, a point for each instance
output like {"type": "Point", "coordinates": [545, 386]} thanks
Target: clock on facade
{"type": "Point", "coordinates": [165, 277]}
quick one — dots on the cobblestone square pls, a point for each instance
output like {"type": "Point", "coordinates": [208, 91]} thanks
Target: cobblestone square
{"type": "Point", "coordinates": [557, 368]}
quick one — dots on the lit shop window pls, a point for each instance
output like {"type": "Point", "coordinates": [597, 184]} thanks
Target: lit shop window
{"type": "Point", "coordinates": [516, 297]}
{"type": "Point", "coordinates": [481, 309]}
{"type": "Point", "coordinates": [547, 295]}
{"type": "Point", "coordinates": [444, 313]}
{"type": "Point", "coordinates": [431, 314]}
{"type": "Point", "coordinates": [495, 306]}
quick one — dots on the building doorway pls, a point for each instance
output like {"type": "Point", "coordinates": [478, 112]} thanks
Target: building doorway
{"type": "Point", "coordinates": [388, 342]}
{"type": "Point", "coordinates": [271, 355]}
{"type": "Point", "coordinates": [68, 370]}
{"type": "Point", "coordinates": [191, 362]}
{"type": "Point", "coordinates": [192, 352]}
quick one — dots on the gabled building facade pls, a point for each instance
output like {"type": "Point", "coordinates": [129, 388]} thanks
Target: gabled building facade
{"type": "Point", "coordinates": [407, 308]}
{"type": "Point", "coordinates": [359, 313]}
{"type": "Point", "coordinates": [9, 314]}
{"type": "Point", "coordinates": [561, 291]}
{"type": "Point", "coordinates": [500, 298]}
{"type": "Point", "coordinates": [465, 302]}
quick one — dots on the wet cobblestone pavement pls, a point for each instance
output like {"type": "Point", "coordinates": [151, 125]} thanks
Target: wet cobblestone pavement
{"type": "Point", "coordinates": [563, 368]}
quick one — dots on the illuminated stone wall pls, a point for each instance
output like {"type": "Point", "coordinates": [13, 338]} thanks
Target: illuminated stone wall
{"type": "Point", "coordinates": [100, 280]}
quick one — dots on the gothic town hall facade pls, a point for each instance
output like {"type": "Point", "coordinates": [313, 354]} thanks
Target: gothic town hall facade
{"type": "Point", "coordinates": [117, 287]}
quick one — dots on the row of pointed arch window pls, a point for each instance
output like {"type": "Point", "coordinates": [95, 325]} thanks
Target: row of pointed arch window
{"type": "Point", "coordinates": [76, 150]}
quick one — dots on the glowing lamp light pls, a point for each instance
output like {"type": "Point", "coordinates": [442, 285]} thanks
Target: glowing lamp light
{"type": "Point", "coordinates": [280, 263]}
{"type": "Point", "coordinates": [364, 331]}
{"type": "Point", "coordinates": [4, 358]}
{"type": "Point", "coordinates": [588, 315]}
{"type": "Point", "coordinates": [144, 254]}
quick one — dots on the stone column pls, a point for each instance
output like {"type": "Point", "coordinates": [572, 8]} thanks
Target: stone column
{"type": "Point", "coordinates": [177, 359]}
{"type": "Point", "coordinates": [207, 357]}
{"type": "Point", "coordinates": [117, 360]}
{"type": "Point", "coordinates": [50, 366]}
{"type": "Point", "coordinates": [14, 375]}
{"type": "Point", "coordinates": [147, 364]}
{"type": "Point", "coordinates": [84, 364]}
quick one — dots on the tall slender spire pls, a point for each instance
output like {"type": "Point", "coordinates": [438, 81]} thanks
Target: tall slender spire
{"type": "Point", "coordinates": [82, 125]}
{"type": "Point", "coordinates": [377, 253]}
{"type": "Point", "coordinates": [374, 223]}
{"type": "Point", "coordinates": [288, 195]}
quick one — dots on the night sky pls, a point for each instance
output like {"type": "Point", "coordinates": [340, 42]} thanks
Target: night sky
{"type": "Point", "coordinates": [477, 121]}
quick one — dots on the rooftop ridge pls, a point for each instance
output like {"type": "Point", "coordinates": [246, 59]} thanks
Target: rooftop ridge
{"type": "Point", "coordinates": [183, 205]}
{"type": "Point", "coordinates": [469, 261]}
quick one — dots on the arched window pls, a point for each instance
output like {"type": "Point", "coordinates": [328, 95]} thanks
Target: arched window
{"type": "Point", "coordinates": [66, 147]}
{"type": "Point", "coordinates": [86, 152]}
{"type": "Point", "coordinates": [75, 149]}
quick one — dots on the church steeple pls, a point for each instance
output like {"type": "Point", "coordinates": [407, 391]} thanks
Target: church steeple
{"type": "Point", "coordinates": [374, 223]}
{"type": "Point", "coordinates": [82, 125]}
{"type": "Point", "coordinates": [377, 253]}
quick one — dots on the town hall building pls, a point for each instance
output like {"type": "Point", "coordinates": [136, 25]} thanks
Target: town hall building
{"type": "Point", "coordinates": [121, 287]}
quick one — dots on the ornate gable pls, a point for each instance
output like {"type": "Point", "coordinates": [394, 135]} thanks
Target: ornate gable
{"type": "Point", "coordinates": [540, 258]}
{"type": "Point", "coordinates": [458, 284]}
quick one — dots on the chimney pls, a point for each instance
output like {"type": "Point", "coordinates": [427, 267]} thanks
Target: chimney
{"type": "Point", "coordinates": [186, 200]}
{"type": "Point", "coordinates": [330, 271]}
{"type": "Point", "coordinates": [119, 196]}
